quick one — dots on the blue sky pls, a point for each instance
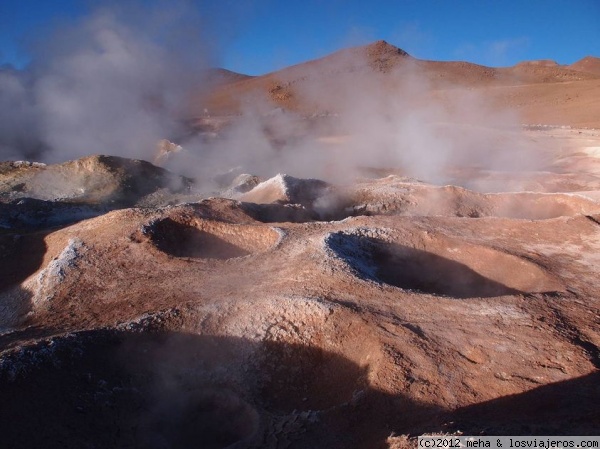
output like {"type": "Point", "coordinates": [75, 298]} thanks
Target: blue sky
{"type": "Point", "coordinates": [259, 36]}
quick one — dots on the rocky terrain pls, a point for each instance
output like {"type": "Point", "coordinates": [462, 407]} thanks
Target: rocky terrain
{"type": "Point", "coordinates": [143, 308]}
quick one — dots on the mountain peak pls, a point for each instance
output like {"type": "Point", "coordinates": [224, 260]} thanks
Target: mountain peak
{"type": "Point", "coordinates": [590, 64]}
{"type": "Point", "coordinates": [383, 48]}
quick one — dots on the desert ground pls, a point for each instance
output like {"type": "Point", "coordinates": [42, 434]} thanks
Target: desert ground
{"type": "Point", "coordinates": [356, 303]}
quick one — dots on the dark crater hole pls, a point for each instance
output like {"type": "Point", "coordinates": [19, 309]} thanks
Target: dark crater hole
{"type": "Point", "coordinates": [183, 240]}
{"type": "Point", "coordinates": [414, 269]}
{"type": "Point", "coordinates": [156, 390]}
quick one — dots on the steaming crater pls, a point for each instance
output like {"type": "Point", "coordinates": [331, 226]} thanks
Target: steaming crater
{"type": "Point", "coordinates": [210, 417]}
{"type": "Point", "coordinates": [286, 189]}
{"type": "Point", "coordinates": [91, 179]}
{"type": "Point", "coordinates": [204, 239]}
{"type": "Point", "coordinates": [445, 267]}
{"type": "Point", "coordinates": [167, 389]}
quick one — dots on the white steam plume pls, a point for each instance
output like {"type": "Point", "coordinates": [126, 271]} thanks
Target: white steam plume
{"type": "Point", "coordinates": [113, 83]}
{"type": "Point", "coordinates": [393, 119]}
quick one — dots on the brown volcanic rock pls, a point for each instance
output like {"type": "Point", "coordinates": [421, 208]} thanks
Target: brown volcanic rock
{"type": "Point", "coordinates": [382, 56]}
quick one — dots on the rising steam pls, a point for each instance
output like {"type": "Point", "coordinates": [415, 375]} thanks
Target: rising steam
{"type": "Point", "coordinates": [112, 85]}
{"type": "Point", "coordinates": [350, 116]}
{"type": "Point", "coordinates": [107, 84]}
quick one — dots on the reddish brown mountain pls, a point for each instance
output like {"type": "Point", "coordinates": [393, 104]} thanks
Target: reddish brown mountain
{"type": "Point", "coordinates": [528, 87]}
{"type": "Point", "coordinates": [588, 64]}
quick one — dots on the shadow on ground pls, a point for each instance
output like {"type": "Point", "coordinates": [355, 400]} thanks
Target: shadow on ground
{"type": "Point", "coordinates": [109, 389]}
{"type": "Point", "coordinates": [21, 255]}
{"type": "Point", "coordinates": [169, 389]}
{"type": "Point", "coordinates": [563, 408]}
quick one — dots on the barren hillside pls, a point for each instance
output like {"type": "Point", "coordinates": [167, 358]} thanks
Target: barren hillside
{"type": "Point", "coordinates": [544, 91]}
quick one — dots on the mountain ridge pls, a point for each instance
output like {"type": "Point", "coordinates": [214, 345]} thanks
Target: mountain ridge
{"type": "Point", "coordinates": [526, 86]}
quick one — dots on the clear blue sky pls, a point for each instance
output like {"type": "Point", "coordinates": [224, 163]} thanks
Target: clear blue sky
{"type": "Point", "coordinates": [259, 36]}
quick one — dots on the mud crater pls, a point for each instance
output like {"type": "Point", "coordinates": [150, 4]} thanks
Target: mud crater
{"type": "Point", "coordinates": [447, 267]}
{"type": "Point", "coordinates": [211, 417]}
{"type": "Point", "coordinates": [167, 389]}
{"type": "Point", "coordinates": [204, 239]}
